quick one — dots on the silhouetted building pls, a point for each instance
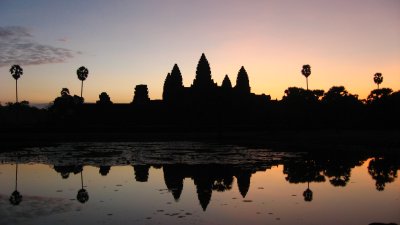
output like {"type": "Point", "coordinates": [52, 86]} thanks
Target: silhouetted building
{"type": "Point", "coordinates": [205, 91]}
{"type": "Point", "coordinates": [173, 86]}
{"type": "Point", "coordinates": [203, 80]}
{"type": "Point", "coordinates": [141, 94]}
{"type": "Point", "coordinates": [242, 82]}
{"type": "Point", "coordinates": [226, 83]}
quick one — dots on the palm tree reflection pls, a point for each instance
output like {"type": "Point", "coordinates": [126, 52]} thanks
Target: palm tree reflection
{"type": "Point", "coordinates": [308, 194]}
{"type": "Point", "coordinates": [83, 195]}
{"type": "Point", "coordinates": [302, 171]}
{"type": "Point", "coordinates": [16, 197]}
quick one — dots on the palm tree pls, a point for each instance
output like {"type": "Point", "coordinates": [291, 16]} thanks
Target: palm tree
{"type": "Point", "coordinates": [16, 72]}
{"type": "Point", "coordinates": [306, 71]}
{"type": "Point", "coordinates": [82, 73]}
{"type": "Point", "coordinates": [378, 79]}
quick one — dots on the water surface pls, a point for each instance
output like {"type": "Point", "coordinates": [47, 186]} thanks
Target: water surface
{"type": "Point", "coordinates": [194, 183]}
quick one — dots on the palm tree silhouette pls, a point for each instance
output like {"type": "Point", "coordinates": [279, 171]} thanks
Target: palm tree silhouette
{"type": "Point", "coordinates": [378, 79]}
{"type": "Point", "coordinates": [16, 72]}
{"type": "Point", "coordinates": [82, 73]}
{"type": "Point", "coordinates": [306, 71]}
{"type": "Point", "coordinates": [16, 197]}
{"type": "Point", "coordinates": [83, 195]}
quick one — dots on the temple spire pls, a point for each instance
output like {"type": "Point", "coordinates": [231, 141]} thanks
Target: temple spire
{"type": "Point", "coordinates": [173, 85]}
{"type": "Point", "coordinates": [166, 89]}
{"type": "Point", "coordinates": [242, 81]}
{"type": "Point", "coordinates": [176, 77]}
{"type": "Point", "coordinates": [203, 75]}
{"type": "Point", "coordinates": [226, 83]}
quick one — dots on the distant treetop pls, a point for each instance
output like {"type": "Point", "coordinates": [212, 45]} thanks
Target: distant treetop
{"type": "Point", "coordinates": [104, 99]}
{"type": "Point", "coordinates": [64, 92]}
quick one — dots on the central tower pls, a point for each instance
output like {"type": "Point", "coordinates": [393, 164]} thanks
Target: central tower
{"type": "Point", "coordinates": [203, 79]}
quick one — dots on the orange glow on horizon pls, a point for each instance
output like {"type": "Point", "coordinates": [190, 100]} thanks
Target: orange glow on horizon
{"type": "Point", "coordinates": [344, 42]}
{"type": "Point", "coordinates": [271, 77]}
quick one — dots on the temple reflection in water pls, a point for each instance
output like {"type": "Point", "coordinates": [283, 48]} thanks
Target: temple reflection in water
{"type": "Point", "coordinates": [231, 165]}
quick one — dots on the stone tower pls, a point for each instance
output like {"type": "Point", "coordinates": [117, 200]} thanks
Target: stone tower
{"type": "Point", "coordinates": [203, 80]}
{"type": "Point", "coordinates": [141, 94]}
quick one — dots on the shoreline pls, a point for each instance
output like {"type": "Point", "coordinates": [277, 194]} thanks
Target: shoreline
{"type": "Point", "coordinates": [294, 140]}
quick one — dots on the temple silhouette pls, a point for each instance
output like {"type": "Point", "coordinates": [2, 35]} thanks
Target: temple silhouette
{"type": "Point", "coordinates": [204, 106]}
{"type": "Point", "coordinates": [205, 91]}
{"type": "Point", "coordinates": [206, 110]}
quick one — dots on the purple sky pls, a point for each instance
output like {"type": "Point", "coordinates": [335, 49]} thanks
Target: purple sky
{"type": "Point", "coordinates": [125, 43]}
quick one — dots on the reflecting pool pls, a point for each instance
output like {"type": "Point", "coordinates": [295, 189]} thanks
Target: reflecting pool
{"type": "Point", "coordinates": [195, 183]}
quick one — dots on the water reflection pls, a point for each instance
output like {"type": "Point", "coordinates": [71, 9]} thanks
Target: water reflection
{"type": "Point", "coordinates": [66, 170]}
{"type": "Point", "coordinates": [16, 197]}
{"type": "Point", "coordinates": [231, 169]}
{"type": "Point", "coordinates": [141, 172]}
{"type": "Point", "coordinates": [308, 194]}
{"type": "Point", "coordinates": [104, 170]}
{"type": "Point", "coordinates": [383, 170]}
{"type": "Point", "coordinates": [83, 195]}
{"type": "Point", "coordinates": [207, 178]}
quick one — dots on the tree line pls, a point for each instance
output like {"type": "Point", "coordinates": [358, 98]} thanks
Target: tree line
{"type": "Point", "coordinates": [335, 92]}
{"type": "Point", "coordinates": [299, 107]}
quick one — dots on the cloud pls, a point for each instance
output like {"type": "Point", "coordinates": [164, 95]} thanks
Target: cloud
{"type": "Point", "coordinates": [17, 46]}
{"type": "Point", "coordinates": [62, 39]}
{"type": "Point", "coordinates": [13, 31]}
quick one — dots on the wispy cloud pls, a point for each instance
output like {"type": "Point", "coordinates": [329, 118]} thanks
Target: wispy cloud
{"type": "Point", "coordinates": [62, 39]}
{"type": "Point", "coordinates": [18, 46]}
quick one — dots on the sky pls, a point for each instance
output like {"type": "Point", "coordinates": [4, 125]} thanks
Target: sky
{"type": "Point", "coordinates": [124, 43]}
